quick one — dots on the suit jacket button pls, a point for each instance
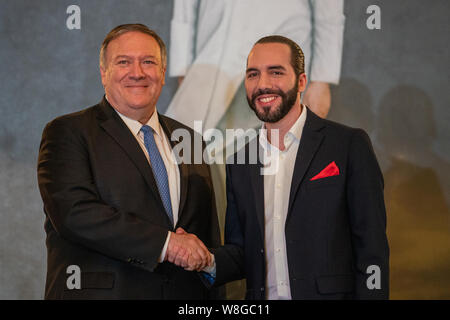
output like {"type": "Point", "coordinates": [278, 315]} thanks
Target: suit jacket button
{"type": "Point", "coordinates": [262, 250]}
{"type": "Point", "coordinates": [262, 288]}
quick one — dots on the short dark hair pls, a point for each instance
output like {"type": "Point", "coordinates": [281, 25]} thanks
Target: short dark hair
{"type": "Point", "coordinates": [297, 56]}
{"type": "Point", "coordinates": [124, 28]}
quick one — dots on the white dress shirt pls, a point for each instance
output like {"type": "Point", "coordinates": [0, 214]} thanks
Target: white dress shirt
{"type": "Point", "coordinates": [277, 188]}
{"type": "Point", "coordinates": [165, 149]}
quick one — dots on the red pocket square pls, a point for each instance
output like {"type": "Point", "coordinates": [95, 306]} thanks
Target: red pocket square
{"type": "Point", "coordinates": [329, 171]}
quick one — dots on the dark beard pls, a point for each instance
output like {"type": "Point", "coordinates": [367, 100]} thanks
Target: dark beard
{"type": "Point", "coordinates": [287, 102]}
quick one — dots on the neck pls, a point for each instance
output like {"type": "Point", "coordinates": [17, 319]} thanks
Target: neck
{"type": "Point", "coordinates": [284, 125]}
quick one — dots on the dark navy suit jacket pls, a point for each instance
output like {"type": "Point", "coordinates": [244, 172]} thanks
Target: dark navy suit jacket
{"type": "Point", "coordinates": [335, 227]}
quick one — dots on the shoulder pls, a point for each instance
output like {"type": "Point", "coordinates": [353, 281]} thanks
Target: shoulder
{"type": "Point", "coordinates": [340, 130]}
{"type": "Point", "coordinates": [76, 124]}
{"type": "Point", "coordinates": [74, 119]}
{"type": "Point", "coordinates": [337, 131]}
{"type": "Point", "coordinates": [355, 140]}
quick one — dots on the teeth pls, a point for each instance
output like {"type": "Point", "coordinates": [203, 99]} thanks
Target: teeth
{"type": "Point", "coordinates": [265, 100]}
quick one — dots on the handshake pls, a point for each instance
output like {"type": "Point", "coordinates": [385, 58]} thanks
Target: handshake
{"type": "Point", "coordinates": [188, 251]}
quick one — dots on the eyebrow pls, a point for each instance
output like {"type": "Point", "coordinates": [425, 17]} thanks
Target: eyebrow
{"type": "Point", "coordinates": [275, 67]}
{"type": "Point", "coordinates": [251, 70]}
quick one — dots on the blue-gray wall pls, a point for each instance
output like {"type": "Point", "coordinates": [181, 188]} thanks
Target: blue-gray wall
{"type": "Point", "coordinates": [394, 84]}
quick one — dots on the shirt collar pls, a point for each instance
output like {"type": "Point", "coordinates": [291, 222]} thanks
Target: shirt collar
{"type": "Point", "coordinates": [295, 131]}
{"type": "Point", "coordinates": [135, 126]}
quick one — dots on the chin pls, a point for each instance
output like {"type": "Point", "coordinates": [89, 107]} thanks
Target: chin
{"type": "Point", "coordinates": [269, 110]}
{"type": "Point", "coordinates": [138, 103]}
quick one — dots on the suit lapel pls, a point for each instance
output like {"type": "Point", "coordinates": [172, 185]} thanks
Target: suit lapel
{"type": "Point", "coordinates": [117, 129]}
{"type": "Point", "coordinates": [309, 144]}
{"type": "Point", "coordinates": [257, 182]}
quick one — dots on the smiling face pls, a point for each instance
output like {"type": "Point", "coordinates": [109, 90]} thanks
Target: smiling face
{"type": "Point", "coordinates": [270, 82]}
{"type": "Point", "coordinates": [133, 75]}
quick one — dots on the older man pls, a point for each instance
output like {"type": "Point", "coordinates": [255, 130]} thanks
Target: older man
{"type": "Point", "coordinates": [113, 194]}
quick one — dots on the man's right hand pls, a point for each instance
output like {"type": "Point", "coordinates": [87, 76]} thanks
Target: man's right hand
{"type": "Point", "coordinates": [187, 251]}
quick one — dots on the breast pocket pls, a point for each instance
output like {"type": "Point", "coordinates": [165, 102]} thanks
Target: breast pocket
{"type": "Point", "coordinates": [324, 182]}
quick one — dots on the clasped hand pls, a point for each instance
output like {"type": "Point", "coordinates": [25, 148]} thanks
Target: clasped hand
{"type": "Point", "coordinates": [187, 251]}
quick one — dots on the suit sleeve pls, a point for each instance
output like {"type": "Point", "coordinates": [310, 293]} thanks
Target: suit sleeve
{"type": "Point", "coordinates": [368, 220]}
{"type": "Point", "coordinates": [328, 36]}
{"type": "Point", "coordinates": [230, 257]}
{"type": "Point", "coordinates": [76, 210]}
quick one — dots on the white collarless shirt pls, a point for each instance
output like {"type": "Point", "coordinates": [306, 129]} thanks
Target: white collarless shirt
{"type": "Point", "coordinates": [277, 188]}
{"type": "Point", "coordinates": [165, 149]}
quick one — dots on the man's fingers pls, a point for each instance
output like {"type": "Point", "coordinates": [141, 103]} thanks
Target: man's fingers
{"type": "Point", "coordinates": [202, 245]}
{"type": "Point", "coordinates": [185, 260]}
{"type": "Point", "coordinates": [203, 255]}
{"type": "Point", "coordinates": [181, 258]}
{"type": "Point", "coordinates": [188, 251]}
{"type": "Point", "coordinates": [205, 258]}
{"type": "Point", "coordinates": [170, 257]}
{"type": "Point", "coordinates": [191, 266]}
{"type": "Point", "coordinates": [172, 251]}
{"type": "Point", "coordinates": [200, 260]}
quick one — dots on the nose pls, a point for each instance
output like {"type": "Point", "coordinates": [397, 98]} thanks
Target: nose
{"type": "Point", "coordinates": [264, 81]}
{"type": "Point", "coordinates": [136, 71]}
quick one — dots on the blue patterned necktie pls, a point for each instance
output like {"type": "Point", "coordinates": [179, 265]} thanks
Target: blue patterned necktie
{"type": "Point", "coordinates": [158, 168]}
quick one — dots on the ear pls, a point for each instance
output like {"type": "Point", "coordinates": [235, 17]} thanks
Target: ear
{"type": "Point", "coordinates": [164, 76]}
{"type": "Point", "coordinates": [302, 81]}
{"type": "Point", "coordinates": [103, 75]}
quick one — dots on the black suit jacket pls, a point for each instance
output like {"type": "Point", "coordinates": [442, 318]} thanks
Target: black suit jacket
{"type": "Point", "coordinates": [335, 226]}
{"type": "Point", "coordinates": [105, 215]}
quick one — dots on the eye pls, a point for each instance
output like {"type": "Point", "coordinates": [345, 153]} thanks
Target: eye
{"type": "Point", "coordinates": [251, 75]}
{"type": "Point", "coordinates": [123, 62]}
{"type": "Point", "coordinates": [149, 62]}
{"type": "Point", "coordinates": [277, 73]}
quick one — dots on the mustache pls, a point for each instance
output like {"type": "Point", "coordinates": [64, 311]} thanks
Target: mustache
{"type": "Point", "coordinates": [259, 92]}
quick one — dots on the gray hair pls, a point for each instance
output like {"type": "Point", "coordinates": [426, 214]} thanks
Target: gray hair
{"type": "Point", "coordinates": [124, 28]}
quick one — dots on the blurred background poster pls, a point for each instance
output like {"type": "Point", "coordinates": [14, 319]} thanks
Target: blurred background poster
{"type": "Point", "coordinates": [379, 65]}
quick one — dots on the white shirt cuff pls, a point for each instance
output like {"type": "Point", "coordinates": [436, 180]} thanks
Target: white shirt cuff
{"type": "Point", "coordinates": [163, 252]}
{"type": "Point", "coordinates": [211, 269]}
